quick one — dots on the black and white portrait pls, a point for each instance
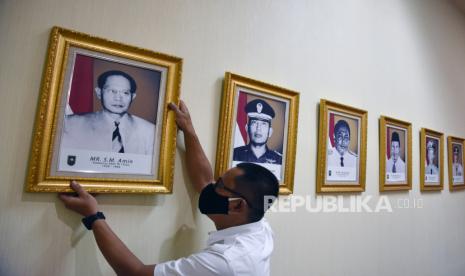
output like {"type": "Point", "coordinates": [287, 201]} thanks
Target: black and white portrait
{"type": "Point", "coordinates": [110, 121]}
{"type": "Point", "coordinates": [343, 147]}
{"type": "Point", "coordinates": [259, 133]}
{"type": "Point", "coordinates": [396, 154]}
{"type": "Point", "coordinates": [457, 163]}
{"type": "Point", "coordinates": [432, 173]}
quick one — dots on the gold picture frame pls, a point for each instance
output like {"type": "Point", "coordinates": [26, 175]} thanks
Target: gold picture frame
{"type": "Point", "coordinates": [400, 176]}
{"type": "Point", "coordinates": [433, 181]}
{"type": "Point", "coordinates": [235, 145]}
{"type": "Point", "coordinates": [346, 171]}
{"type": "Point", "coordinates": [455, 146]}
{"type": "Point", "coordinates": [73, 56]}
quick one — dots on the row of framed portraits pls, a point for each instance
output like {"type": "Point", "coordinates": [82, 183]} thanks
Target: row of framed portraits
{"type": "Point", "coordinates": [342, 153]}
{"type": "Point", "coordinates": [103, 120]}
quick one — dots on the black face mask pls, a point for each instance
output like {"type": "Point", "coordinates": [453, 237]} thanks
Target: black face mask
{"type": "Point", "coordinates": [212, 203]}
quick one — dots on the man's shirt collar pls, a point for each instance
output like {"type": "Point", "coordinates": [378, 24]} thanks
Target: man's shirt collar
{"type": "Point", "coordinates": [219, 235]}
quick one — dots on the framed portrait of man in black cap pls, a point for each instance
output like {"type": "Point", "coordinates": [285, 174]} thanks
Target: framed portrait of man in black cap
{"type": "Point", "coordinates": [456, 160]}
{"type": "Point", "coordinates": [258, 124]}
{"type": "Point", "coordinates": [431, 160]}
{"type": "Point", "coordinates": [395, 151]}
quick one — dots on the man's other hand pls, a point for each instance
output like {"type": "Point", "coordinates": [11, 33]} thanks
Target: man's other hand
{"type": "Point", "coordinates": [183, 118]}
{"type": "Point", "coordinates": [82, 203]}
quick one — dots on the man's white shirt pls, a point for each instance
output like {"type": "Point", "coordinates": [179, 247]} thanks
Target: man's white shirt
{"type": "Point", "coordinates": [239, 250]}
{"type": "Point", "coordinates": [400, 165]}
{"type": "Point", "coordinates": [457, 169]}
{"type": "Point", "coordinates": [349, 159]}
{"type": "Point", "coordinates": [93, 131]}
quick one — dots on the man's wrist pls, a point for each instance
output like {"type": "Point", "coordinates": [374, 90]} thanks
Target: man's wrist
{"type": "Point", "coordinates": [189, 131]}
{"type": "Point", "coordinates": [88, 221]}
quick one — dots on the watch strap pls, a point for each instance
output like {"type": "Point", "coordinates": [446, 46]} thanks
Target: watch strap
{"type": "Point", "coordinates": [89, 220]}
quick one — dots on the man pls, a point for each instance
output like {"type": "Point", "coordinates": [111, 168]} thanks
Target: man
{"type": "Point", "coordinates": [395, 164]}
{"type": "Point", "coordinates": [457, 169]}
{"type": "Point", "coordinates": [341, 156]}
{"type": "Point", "coordinates": [113, 129]}
{"type": "Point", "coordinates": [236, 203]}
{"type": "Point", "coordinates": [259, 130]}
{"type": "Point", "coordinates": [431, 155]}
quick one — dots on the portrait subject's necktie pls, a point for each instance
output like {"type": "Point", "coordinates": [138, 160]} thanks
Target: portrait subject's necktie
{"type": "Point", "coordinates": [342, 161]}
{"type": "Point", "coordinates": [117, 143]}
{"type": "Point", "coordinates": [394, 168]}
{"type": "Point", "coordinates": [431, 171]}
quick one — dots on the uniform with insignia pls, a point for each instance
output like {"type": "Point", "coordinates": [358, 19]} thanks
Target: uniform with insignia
{"type": "Point", "coordinates": [258, 110]}
{"type": "Point", "coordinates": [431, 168]}
{"type": "Point", "coordinates": [457, 168]}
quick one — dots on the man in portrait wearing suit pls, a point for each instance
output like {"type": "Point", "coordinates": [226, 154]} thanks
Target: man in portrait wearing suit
{"type": "Point", "coordinates": [259, 130]}
{"type": "Point", "coordinates": [341, 156]}
{"type": "Point", "coordinates": [395, 164]}
{"type": "Point", "coordinates": [457, 168]}
{"type": "Point", "coordinates": [113, 129]}
{"type": "Point", "coordinates": [431, 155]}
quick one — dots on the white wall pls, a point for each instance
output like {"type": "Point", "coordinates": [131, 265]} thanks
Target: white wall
{"type": "Point", "coordinates": [404, 59]}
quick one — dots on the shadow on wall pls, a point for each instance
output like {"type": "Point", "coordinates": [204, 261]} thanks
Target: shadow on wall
{"type": "Point", "coordinates": [184, 241]}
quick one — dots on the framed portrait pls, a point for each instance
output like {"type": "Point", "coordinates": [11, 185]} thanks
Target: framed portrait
{"type": "Point", "coordinates": [342, 147]}
{"type": "Point", "coordinates": [258, 124]}
{"type": "Point", "coordinates": [456, 160]}
{"type": "Point", "coordinates": [431, 160]}
{"type": "Point", "coordinates": [395, 154]}
{"type": "Point", "coordinates": [102, 117]}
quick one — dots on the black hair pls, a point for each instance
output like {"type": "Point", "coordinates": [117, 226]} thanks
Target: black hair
{"type": "Point", "coordinates": [102, 79]}
{"type": "Point", "coordinates": [255, 184]}
{"type": "Point", "coordinates": [341, 124]}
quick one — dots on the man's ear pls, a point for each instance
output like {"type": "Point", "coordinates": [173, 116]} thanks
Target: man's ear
{"type": "Point", "coordinates": [237, 206]}
{"type": "Point", "coordinates": [133, 96]}
{"type": "Point", "coordinates": [98, 93]}
{"type": "Point", "coordinates": [270, 132]}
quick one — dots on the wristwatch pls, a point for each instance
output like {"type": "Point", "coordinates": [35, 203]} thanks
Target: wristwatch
{"type": "Point", "coordinates": [89, 220]}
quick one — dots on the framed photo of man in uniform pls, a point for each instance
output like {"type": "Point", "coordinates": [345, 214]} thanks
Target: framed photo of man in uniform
{"type": "Point", "coordinates": [341, 148]}
{"type": "Point", "coordinates": [258, 124]}
{"type": "Point", "coordinates": [456, 160]}
{"type": "Point", "coordinates": [431, 160]}
{"type": "Point", "coordinates": [395, 151]}
{"type": "Point", "coordinates": [103, 117]}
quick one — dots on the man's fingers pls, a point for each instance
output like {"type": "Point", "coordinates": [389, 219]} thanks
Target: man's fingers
{"type": "Point", "coordinates": [173, 107]}
{"type": "Point", "coordinates": [183, 107]}
{"type": "Point", "coordinates": [78, 188]}
{"type": "Point", "coordinates": [67, 199]}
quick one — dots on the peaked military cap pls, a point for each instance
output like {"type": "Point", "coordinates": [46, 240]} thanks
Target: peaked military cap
{"type": "Point", "coordinates": [259, 109]}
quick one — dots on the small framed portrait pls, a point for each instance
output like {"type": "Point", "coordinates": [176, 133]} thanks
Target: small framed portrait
{"type": "Point", "coordinates": [395, 154]}
{"type": "Point", "coordinates": [102, 117]}
{"type": "Point", "coordinates": [431, 160]}
{"type": "Point", "coordinates": [456, 160]}
{"type": "Point", "coordinates": [341, 148]}
{"type": "Point", "coordinates": [258, 124]}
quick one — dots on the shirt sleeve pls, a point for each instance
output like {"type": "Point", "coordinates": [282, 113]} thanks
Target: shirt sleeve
{"type": "Point", "coordinates": [200, 264]}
